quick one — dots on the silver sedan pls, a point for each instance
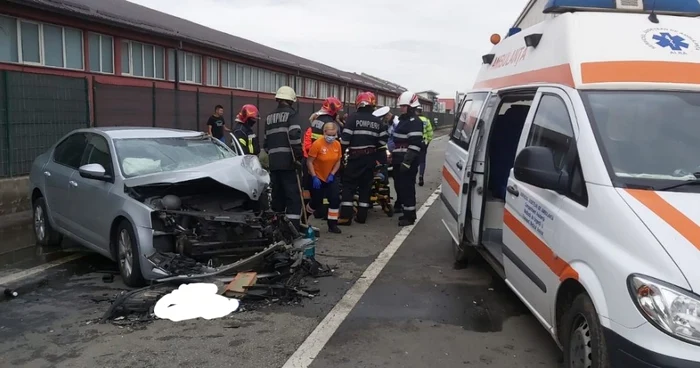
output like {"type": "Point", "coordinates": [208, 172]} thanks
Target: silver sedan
{"type": "Point", "coordinates": [141, 195]}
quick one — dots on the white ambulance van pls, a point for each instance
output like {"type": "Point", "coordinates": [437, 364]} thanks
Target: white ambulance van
{"type": "Point", "coordinates": [573, 169]}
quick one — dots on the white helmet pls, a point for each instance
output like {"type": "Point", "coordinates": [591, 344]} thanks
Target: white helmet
{"type": "Point", "coordinates": [286, 93]}
{"type": "Point", "coordinates": [381, 111]}
{"type": "Point", "coordinates": [408, 98]}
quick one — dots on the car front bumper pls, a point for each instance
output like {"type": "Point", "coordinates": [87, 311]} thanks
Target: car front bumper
{"type": "Point", "coordinates": [625, 353]}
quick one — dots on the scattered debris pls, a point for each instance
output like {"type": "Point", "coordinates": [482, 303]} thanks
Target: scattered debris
{"type": "Point", "coordinates": [275, 275]}
{"type": "Point", "coordinates": [192, 301]}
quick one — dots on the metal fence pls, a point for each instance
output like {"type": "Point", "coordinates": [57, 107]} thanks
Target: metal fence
{"type": "Point", "coordinates": [36, 110]}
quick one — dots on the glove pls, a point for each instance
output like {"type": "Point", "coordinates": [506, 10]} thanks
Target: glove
{"type": "Point", "coordinates": [297, 164]}
{"type": "Point", "coordinates": [330, 179]}
{"type": "Point", "coordinates": [317, 183]}
{"type": "Point", "coordinates": [405, 167]}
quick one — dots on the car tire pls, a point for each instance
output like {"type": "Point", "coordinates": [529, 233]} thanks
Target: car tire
{"type": "Point", "coordinates": [127, 254]}
{"type": "Point", "coordinates": [44, 233]}
{"type": "Point", "coordinates": [582, 336]}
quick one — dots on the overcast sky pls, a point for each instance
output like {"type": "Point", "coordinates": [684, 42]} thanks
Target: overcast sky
{"type": "Point", "coordinates": [419, 44]}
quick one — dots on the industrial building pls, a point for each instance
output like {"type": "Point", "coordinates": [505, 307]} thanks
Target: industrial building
{"type": "Point", "coordinates": [66, 64]}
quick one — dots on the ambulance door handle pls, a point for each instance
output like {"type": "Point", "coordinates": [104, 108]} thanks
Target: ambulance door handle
{"type": "Point", "coordinates": [459, 165]}
{"type": "Point", "coordinates": [512, 189]}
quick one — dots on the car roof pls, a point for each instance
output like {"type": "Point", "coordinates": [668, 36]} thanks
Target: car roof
{"type": "Point", "coordinates": [144, 132]}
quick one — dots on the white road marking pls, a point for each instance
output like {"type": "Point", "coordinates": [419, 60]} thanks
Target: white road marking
{"type": "Point", "coordinates": [9, 279]}
{"type": "Point", "coordinates": [315, 342]}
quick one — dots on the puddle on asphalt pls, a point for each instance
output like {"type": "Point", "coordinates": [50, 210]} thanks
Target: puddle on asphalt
{"type": "Point", "coordinates": [18, 249]}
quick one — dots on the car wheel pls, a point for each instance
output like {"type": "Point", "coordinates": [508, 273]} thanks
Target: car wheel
{"type": "Point", "coordinates": [128, 255]}
{"type": "Point", "coordinates": [582, 335]}
{"type": "Point", "coordinates": [43, 231]}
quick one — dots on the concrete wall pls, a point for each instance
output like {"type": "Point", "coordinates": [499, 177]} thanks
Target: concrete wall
{"type": "Point", "coordinates": [14, 195]}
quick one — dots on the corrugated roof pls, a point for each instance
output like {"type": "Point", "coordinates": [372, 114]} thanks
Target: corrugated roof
{"type": "Point", "coordinates": [131, 15]}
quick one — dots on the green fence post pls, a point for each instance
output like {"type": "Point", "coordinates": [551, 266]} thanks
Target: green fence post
{"type": "Point", "coordinates": [196, 120]}
{"type": "Point", "coordinates": [231, 109]}
{"type": "Point", "coordinates": [87, 102]}
{"type": "Point", "coordinates": [94, 102]}
{"type": "Point", "coordinates": [8, 139]}
{"type": "Point", "coordinates": [153, 105]}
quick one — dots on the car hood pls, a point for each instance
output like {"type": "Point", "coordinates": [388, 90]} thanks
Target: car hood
{"type": "Point", "coordinates": [673, 218]}
{"type": "Point", "coordinates": [235, 172]}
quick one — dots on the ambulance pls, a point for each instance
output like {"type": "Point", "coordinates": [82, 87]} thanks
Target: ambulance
{"type": "Point", "coordinates": [573, 169]}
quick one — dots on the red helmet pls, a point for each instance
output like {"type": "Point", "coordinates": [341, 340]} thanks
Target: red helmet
{"type": "Point", "coordinates": [366, 99]}
{"type": "Point", "coordinates": [332, 105]}
{"type": "Point", "coordinates": [247, 112]}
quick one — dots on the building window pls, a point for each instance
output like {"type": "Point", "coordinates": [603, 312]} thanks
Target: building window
{"type": "Point", "coordinates": [310, 90]}
{"type": "Point", "coordinates": [212, 72]}
{"type": "Point", "coordinates": [280, 80]}
{"type": "Point", "coordinates": [143, 60]}
{"type": "Point", "coordinates": [342, 94]}
{"type": "Point", "coordinates": [323, 90]}
{"type": "Point", "coordinates": [333, 91]}
{"type": "Point", "coordinates": [101, 50]}
{"type": "Point", "coordinates": [228, 74]}
{"type": "Point", "coordinates": [299, 86]}
{"type": "Point", "coordinates": [352, 95]}
{"type": "Point", "coordinates": [255, 79]}
{"type": "Point", "coordinates": [41, 44]}
{"type": "Point", "coordinates": [190, 67]}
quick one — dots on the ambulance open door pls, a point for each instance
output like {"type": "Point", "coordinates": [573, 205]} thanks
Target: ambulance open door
{"type": "Point", "coordinates": [456, 172]}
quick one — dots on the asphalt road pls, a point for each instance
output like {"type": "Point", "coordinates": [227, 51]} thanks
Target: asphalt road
{"type": "Point", "coordinates": [419, 311]}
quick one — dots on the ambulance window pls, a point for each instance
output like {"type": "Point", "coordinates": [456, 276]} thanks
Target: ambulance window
{"type": "Point", "coordinates": [552, 128]}
{"type": "Point", "coordinates": [467, 119]}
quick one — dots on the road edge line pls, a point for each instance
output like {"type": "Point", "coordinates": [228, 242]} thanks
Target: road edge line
{"type": "Point", "coordinates": [319, 337]}
{"type": "Point", "coordinates": [15, 277]}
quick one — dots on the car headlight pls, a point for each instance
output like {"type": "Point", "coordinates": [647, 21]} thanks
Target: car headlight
{"type": "Point", "coordinates": [669, 308]}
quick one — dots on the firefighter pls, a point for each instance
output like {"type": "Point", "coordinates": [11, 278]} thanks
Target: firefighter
{"type": "Point", "coordinates": [427, 138]}
{"type": "Point", "coordinates": [243, 131]}
{"type": "Point", "coordinates": [328, 113]}
{"type": "Point", "coordinates": [408, 138]}
{"type": "Point", "coordinates": [363, 135]}
{"type": "Point", "coordinates": [283, 145]}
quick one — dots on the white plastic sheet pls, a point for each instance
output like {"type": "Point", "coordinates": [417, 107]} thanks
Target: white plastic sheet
{"type": "Point", "coordinates": [194, 301]}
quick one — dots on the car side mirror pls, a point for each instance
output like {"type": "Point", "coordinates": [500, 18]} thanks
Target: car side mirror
{"type": "Point", "coordinates": [535, 166]}
{"type": "Point", "coordinates": [94, 171]}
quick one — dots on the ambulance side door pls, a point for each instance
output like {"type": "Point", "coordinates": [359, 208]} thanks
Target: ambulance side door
{"type": "Point", "coordinates": [531, 213]}
{"type": "Point", "coordinates": [457, 156]}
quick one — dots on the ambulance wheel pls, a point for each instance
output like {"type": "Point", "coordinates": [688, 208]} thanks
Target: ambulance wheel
{"type": "Point", "coordinates": [582, 336]}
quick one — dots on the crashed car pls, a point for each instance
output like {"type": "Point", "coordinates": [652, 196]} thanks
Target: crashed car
{"type": "Point", "coordinates": [161, 202]}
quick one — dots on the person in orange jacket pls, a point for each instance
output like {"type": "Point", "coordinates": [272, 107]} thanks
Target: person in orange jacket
{"type": "Point", "coordinates": [328, 113]}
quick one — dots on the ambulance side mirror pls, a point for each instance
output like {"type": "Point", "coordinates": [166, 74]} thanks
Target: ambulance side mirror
{"type": "Point", "coordinates": [535, 165]}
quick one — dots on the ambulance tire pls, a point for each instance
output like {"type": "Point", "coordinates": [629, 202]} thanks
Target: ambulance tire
{"type": "Point", "coordinates": [582, 335]}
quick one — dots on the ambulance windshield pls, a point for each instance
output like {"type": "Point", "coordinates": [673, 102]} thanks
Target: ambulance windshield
{"type": "Point", "coordinates": [649, 136]}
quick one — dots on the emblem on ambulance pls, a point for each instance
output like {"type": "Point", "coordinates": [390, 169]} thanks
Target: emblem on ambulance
{"type": "Point", "coordinates": [675, 42]}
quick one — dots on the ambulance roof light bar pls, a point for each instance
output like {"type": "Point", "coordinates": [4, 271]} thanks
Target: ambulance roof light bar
{"type": "Point", "coordinates": [690, 8]}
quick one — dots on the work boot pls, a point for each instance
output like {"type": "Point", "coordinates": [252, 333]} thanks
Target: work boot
{"type": "Point", "coordinates": [408, 218]}
{"type": "Point", "coordinates": [361, 216]}
{"type": "Point", "coordinates": [333, 227]}
{"type": "Point", "coordinates": [398, 207]}
{"type": "Point", "coordinates": [420, 181]}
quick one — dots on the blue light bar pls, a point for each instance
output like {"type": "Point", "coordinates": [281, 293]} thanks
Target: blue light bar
{"type": "Point", "coordinates": [675, 7]}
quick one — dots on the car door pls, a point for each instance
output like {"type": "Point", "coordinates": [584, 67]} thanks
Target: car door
{"type": "Point", "coordinates": [531, 213]}
{"type": "Point", "coordinates": [57, 175]}
{"type": "Point", "coordinates": [455, 181]}
{"type": "Point", "coordinates": [93, 207]}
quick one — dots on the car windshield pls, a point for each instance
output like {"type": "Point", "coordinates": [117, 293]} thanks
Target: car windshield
{"type": "Point", "coordinates": [143, 156]}
{"type": "Point", "coordinates": [648, 137]}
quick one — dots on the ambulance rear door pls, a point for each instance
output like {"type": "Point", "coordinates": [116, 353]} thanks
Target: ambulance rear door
{"type": "Point", "coordinates": [455, 178]}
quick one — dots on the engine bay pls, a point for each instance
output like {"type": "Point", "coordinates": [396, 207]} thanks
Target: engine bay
{"type": "Point", "coordinates": [208, 222]}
